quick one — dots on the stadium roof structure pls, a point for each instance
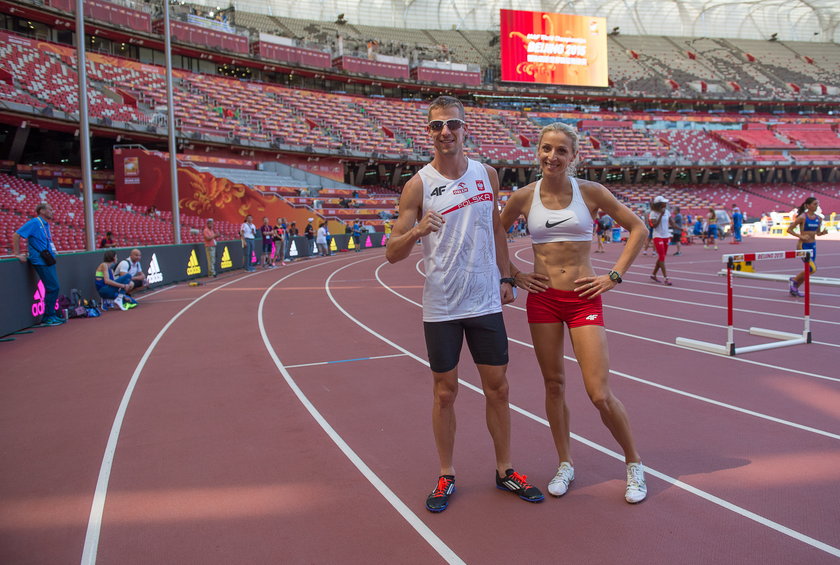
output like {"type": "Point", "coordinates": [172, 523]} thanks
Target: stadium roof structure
{"type": "Point", "coordinates": [788, 20]}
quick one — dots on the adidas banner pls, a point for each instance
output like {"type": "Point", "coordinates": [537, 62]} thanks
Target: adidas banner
{"type": "Point", "coordinates": [162, 265]}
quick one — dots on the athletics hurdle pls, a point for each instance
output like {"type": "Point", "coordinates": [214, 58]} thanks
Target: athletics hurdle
{"type": "Point", "coordinates": [784, 338]}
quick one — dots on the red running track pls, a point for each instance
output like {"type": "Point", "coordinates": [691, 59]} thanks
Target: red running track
{"type": "Point", "coordinates": [284, 417]}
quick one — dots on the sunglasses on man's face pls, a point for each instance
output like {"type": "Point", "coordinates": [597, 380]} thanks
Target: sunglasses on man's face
{"type": "Point", "coordinates": [454, 124]}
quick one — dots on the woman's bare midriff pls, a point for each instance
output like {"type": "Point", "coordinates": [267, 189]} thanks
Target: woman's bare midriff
{"type": "Point", "coordinates": [563, 262]}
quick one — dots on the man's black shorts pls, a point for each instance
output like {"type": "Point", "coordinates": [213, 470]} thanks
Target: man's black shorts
{"type": "Point", "coordinates": [486, 339]}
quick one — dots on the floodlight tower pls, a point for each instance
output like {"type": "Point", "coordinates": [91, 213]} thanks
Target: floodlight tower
{"type": "Point", "coordinates": [84, 128]}
{"type": "Point", "coordinates": [170, 126]}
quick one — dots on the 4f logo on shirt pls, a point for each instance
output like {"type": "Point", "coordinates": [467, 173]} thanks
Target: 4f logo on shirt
{"type": "Point", "coordinates": [479, 184]}
{"type": "Point", "coordinates": [439, 190]}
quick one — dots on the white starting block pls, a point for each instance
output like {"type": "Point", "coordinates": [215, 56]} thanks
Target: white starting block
{"type": "Point", "coordinates": [783, 339]}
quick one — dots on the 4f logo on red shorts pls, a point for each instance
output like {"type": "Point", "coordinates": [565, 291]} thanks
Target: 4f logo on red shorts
{"type": "Point", "coordinates": [592, 317]}
{"type": "Point", "coordinates": [479, 184]}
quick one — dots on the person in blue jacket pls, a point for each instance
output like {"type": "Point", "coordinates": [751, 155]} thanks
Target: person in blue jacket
{"type": "Point", "coordinates": [737, 223]}
{"type": "Point", "coordinates": [42, 256]}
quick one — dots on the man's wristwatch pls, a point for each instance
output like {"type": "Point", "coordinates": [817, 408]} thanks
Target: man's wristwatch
{"type": "Point", "coordinates": [510, 280]}
{"type": "Point", "coordinates": [615, 277]}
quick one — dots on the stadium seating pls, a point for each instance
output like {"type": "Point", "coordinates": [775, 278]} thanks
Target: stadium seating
{"type": "Point", "coordinates": [129, 224]}
{"type": "Point", "coordinates": [621, 140]}
{"type": "Point", "coordinates": [698, 146]}
{"type": "Point", "coordinates": [810, 136]}
{"type": "Point", "coordinates": [53, 80]}
{"type": "Point", "coordinates": [255, 114]}
{"type": "Point", "coordinates": [755, 139]}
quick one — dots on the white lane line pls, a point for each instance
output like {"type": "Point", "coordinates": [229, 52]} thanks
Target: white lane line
{"type": "Point", "coordinates": [94, 526]}
{"type": "Point", "coordinates": [667, 478]}
{"type": "Point", "coordinates": [735, 359]}
{"type": "Point", "coordinates": [728, 406]}
{"type": "Point", "coordinates": [425, 532]}
{"type": "Point", "coordinates": [343, 361]}
{"type": "Point", "coordinates": [153, 292]}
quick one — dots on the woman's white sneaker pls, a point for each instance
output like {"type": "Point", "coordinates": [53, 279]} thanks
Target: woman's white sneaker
{"type": "Point", "coordinates": [636, 487]}
{"type": "Point", "coordinates": [560, 483]}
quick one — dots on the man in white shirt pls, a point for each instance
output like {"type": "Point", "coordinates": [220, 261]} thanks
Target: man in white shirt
{"type": "Point", "coordinates": [134, 268]}
{"type": "Point", "coordinates": [247, 232]}
{"type": "Point", "coordinates": [321, 240]}
{"type": "Point", "coordinates": [451, 206]}
{"type": "Point", "coordinates": [662, 223]}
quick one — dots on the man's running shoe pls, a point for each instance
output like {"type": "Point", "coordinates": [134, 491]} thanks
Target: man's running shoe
{"type": "Point", "coordinates": [127, 299]}
{"type": "Point", "coordinates": [130, 305]}
{"type": "Point", "coordinates": [517, 484]}
{"type": "Point", "coordinates": [560, 483]}
{"type": "Point", "coordinates": [51, 321]}
{"type": "Point", "coordinates": [438, 499]}
{"type": "Point", "coordinates": [636, 487]}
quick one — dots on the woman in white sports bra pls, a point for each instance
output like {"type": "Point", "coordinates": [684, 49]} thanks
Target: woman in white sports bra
{"type": "Point", "coordinates": [564, 289]}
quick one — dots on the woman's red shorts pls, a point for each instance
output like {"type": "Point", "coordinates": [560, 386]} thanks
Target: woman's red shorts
{"type": "Point", "coordinates": [557, 306]}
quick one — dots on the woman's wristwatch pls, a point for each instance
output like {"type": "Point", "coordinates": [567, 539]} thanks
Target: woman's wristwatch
{"type": "Point", "coordinates": [510, 280]}
{"type": "Point", "coordinates": [615, 277]}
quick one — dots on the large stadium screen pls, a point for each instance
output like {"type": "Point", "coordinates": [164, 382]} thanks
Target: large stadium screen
{"type": "Point", "coordinates": [541, 47]}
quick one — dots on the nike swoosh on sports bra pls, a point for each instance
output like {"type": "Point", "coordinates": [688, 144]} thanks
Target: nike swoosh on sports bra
{"type": "Point", "coordinates": [573, 223]}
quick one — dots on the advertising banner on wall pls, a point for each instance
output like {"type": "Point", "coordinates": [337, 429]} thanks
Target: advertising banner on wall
{"type": "Point", "coordinates": [547, 48]}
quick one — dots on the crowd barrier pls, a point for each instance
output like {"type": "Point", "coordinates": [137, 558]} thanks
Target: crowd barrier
{"type": "Point", "coordinates": [23, 293]}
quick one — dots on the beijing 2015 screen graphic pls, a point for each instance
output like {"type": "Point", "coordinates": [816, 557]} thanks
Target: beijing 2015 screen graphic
{"type": "Point", "coordinates": [546, 48]}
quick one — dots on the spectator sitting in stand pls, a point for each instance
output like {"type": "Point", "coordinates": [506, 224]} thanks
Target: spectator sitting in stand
{"type": "Point", "coordinates": [107, 241]}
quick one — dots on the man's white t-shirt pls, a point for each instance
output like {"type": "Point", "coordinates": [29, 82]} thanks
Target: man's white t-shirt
{"type": "Point", "coordinates": [126, 266]}
{"type": "Point", "coordinates": [249, 231]}
{"type": "Point", "coordinates": [462, 278]}
{"type": "Point", "coordinates": [662, 230]}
